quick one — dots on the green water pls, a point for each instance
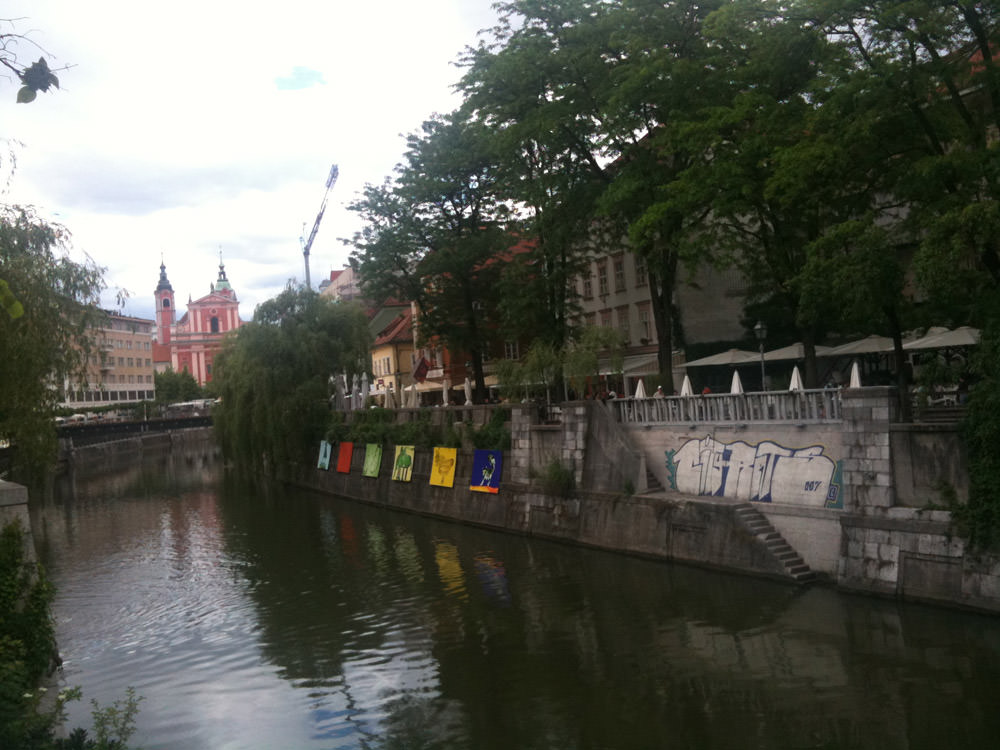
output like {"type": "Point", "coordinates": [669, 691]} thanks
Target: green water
{"type": "Point", "coordinates": [267, 618]}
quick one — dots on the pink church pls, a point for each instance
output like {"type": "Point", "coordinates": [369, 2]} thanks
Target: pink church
{"type": "Point", "coordinates": [192, 341]}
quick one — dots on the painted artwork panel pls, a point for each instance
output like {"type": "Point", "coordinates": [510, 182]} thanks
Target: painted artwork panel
{"type": "Point", "coordinates": [373, 460]}
{"type": "Point", "coordinates": [325, 449]}
{"type": "Point", "coordinates": [764, 473]}
{"type": "Point", "coordinates": [402, 466]}
{"type": "Point", "coordinates": [486, 467]}
{"type": "Point", "coordinates": [443, 467]}
{"type": "Point", "coordinates": [344, 457]}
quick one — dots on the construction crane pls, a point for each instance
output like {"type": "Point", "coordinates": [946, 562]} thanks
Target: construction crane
{"type": "Point", "coordinates": [307, 243]}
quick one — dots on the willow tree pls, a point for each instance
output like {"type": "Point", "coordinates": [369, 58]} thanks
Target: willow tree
{"type": "Point", "coordinates": [273, 377]}
{"type": "Point", "coordinates": [45, 341]}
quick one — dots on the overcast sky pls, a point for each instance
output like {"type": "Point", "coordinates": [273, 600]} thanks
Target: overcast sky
{"type": "Point", "coordinates": [186, 127]}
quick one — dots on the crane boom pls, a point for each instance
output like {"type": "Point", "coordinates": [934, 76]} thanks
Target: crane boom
{"type": "Point", "coordinates": [307, 245]}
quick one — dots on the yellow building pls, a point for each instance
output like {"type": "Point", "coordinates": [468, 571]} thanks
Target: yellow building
{"type": "Point", "coordinates": [392, 355]}
{"type": "Point", "coordinates": [120, 367]}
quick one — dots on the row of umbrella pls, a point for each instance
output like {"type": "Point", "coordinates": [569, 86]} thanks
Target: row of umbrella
{"type": "Point", "coordinates": [935, 338]}
{"type": "Point", "coordinates": [737, 384]}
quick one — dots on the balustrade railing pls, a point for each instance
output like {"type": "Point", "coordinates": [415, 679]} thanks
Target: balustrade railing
{"type": "Point", "coordinates": [819, 405]}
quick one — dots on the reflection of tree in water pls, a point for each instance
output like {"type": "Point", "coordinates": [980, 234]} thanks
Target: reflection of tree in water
{"type": "Point", "coordinates": [409, 632]}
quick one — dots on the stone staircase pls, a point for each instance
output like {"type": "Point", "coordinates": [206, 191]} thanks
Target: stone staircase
{"type": "Point", "coordinates": [758, 525]}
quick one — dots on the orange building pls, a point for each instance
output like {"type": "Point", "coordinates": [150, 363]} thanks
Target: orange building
{"type": "Point", "coordinates": [191, 342]}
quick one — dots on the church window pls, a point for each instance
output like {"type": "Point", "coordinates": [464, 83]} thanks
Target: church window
{"type": "Point", "coordinates": [215, 325]}
{"type": "Point", "coordinates": [166, 303]}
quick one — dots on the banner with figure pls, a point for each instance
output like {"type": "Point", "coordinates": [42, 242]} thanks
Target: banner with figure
{"type": "Point", "coordinates": [402, 467]}
{"type": "Point", "coordinates": [325, 449]}
{"type": "Point", "coordinates": [373, 459]}
{"type": "Point", "coordinates": [486, 467]}
{"type": "Point", "coordinates": [443, 468]}
{"type": "Point", "coordinates": [344, 457]}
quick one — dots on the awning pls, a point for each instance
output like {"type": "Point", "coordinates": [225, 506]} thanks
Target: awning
{"type": "Point", "coordinates": [870, 345]}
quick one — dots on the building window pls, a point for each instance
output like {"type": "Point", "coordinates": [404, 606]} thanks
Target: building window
{"type": "Point", "coordinates": [641, 273]}
{"type": "Point", "coordinates": [215, 325]}
{"type": "Point", "coordinates": [121, 361]}
{"type": "Point", "coordinates": [588, 287]}
{"type": "Point", "coordinates": [605, 318]}
{"type": "Point", "coordinates": [208, 369]}
{"type": "Point", "coordinates": [590, 319]}
{"type": "Point", "coordinates": [166, 304]}
{"type": "Point", "coordinates": [619, 273]}
{"type": "Point", "coordinates": [602, 279]}
{"type": "Point", "coordinates": [623, 326]}
{"type": "Point", "coordinates": [511, 350]}
{"type": "Point", "coordinates": [645, 328]}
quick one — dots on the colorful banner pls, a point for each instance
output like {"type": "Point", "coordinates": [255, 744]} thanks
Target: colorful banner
{"type": "Point", "coordinates": [402, 467]}
{"type": "Point", "coordinates": [443, 468]}
{"type": "Point", "coordinates": [344, 458]}
{"type": "Point", "coordinates": [373, 460]}
{"type": "Point", "coordinates": [325, 449]}
{"type": "Point", "coordinates": [486, 471]}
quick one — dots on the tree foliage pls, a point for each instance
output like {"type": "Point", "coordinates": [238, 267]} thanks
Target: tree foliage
{"type": "Point", "coordinates": [172, 387]}
{"type": "Point", "coordinates": [436, 235]}
{"type": "Point", "coordinates": [272, 377]}
{"type": "Point", "coordinates": [49, 342]}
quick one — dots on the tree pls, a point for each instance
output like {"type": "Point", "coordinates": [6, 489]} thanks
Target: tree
{"type": "Point", "coordinates": [34, 77]}
{"type": "Point", "coordinates": [49, 343]}
{"type": "Point", "coordinates": [586, 95]}
{"type": "Point", "coordinates": [437, 236]}
{"type": "Point", "coordinates": [273, 376]}
{"type": "Point", "coordinates": [172, 387]}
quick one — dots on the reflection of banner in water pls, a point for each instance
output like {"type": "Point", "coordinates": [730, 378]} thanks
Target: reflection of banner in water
{"type": "Point", "coordinates": [344, 457]}
{"type": "Point", "coordinates": [373, 460]}
{"type": "Point", "coordinates": [325, 449]}
{"type": "Point", "coordinates": [402, 467]}
{"type": "Point", "coordinates": [450, 568]}
{"type": "Point", "coordinates": [493, 577]}
{"type": "Point", "coordinates": [486, 467]}
{"type": "Point", "coordinates": [443, 468]}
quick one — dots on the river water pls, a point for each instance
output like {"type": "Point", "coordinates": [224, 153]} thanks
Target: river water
{"type": "Point", "coordinates": [258, 617]}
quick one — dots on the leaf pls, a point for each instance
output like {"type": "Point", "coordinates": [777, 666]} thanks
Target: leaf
{"type": "Point", "coordinates": [26, 94]}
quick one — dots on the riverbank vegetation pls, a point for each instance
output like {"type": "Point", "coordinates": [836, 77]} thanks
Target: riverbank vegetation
{"type": "Point", "coordinates": [274, 377]}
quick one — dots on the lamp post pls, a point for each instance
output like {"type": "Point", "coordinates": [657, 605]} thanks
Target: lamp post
{"type": "Point", "coordinates": [760, 331]}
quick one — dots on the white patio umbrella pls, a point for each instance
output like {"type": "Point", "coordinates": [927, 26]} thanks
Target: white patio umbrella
{"type": "Point", "coordinates": [468, 392]}
{"type": "Point", "coordinates": [870, 345]}
{"type": "Point", "coordinates": [796, 384]}
{"type": "Point", "coordinates": [737, 386]}
{"type": "Point", "coordinates": [686, 389]}
{"type": "Point", "coordinates": [855, 375]}
{"type": "Point", "coordinates": [640, 390]}
{"type": "Point", "coordinates": [731, 357]}
{"type": "Point", "coordinates": [793, 351]}
{"type": "Point", "coordinates": [390, 400]}
{"type": "Point", "coordinates": [945, 339]}
{"type": "Point", "coordinates": [445, 387]}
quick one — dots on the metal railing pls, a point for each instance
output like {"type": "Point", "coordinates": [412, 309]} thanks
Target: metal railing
{"type": "Point", "coordinates": [821, 405]}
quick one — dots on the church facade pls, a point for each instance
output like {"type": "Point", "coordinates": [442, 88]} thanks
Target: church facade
{"type": "Point", "coordinates": [191, 341]}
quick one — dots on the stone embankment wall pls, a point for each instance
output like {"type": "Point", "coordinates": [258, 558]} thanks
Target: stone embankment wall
{"type": "Point", "coordinates": [14, 509]}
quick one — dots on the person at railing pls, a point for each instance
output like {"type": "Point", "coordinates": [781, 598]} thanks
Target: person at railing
{"type": "Point", "coordinates": [659, 392]}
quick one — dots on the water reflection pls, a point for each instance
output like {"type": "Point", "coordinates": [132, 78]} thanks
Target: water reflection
{"type": "Point", "coordinates": [257, 617]}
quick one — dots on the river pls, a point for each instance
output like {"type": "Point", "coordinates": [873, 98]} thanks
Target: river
{"type": "Point", "coordinates": [261, 617]}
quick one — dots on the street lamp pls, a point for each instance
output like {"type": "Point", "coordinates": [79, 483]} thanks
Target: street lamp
{"type": "Point", "coordinates": [760, 331]}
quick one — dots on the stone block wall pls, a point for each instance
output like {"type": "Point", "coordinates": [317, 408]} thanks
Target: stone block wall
{"type": "Point", "coordinates": [868, 414]}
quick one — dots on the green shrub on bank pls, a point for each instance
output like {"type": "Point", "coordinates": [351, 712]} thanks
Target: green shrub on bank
{"type": "Point", "coordinates": [494, 435]}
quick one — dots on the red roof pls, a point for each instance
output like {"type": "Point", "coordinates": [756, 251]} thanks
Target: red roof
{"type": "Point", "coordinates": [399, 330]}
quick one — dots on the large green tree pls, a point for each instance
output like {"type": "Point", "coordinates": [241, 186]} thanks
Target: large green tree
{"type": "Point", "coordinates": [437, 235]}
{"type": "Point", "coordinates": [48, 343]}
{"type": "Point", "coordinates": [273, 377]}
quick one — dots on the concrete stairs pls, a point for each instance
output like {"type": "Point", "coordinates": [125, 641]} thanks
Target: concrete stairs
{"type": "Point", "coordinates": [652, 483]}
{"type": "Point", "coordinates": [781, 551]}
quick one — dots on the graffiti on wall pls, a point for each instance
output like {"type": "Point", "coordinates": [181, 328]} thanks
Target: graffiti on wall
{"type": "Point", "coordinates": [765, 472]}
